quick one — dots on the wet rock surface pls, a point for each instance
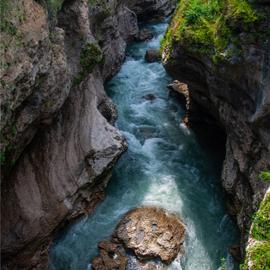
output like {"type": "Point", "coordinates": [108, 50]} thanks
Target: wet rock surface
{"type": "Point", "coordinates": [152, 55]}
{"type": "Point", "coordinates": [144, 35]}
{"type": "Point", "coordinates": [146, 238]}
{"type": "Point", "coordinates": [152, 10]}
{"type": "Point", "coordinates": [112, 256]}
{"type": "Point", "coordinates": [150, 97]}
{"type": "Point", "coordinates": [182, 91]}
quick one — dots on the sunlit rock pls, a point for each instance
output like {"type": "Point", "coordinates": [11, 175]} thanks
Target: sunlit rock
{"type": "Point", "coordinates": [152, 236]}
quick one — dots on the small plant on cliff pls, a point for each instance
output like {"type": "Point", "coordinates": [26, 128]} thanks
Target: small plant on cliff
{"type": "Point", "coordinates": [223, 265]}
{"type": "Point", "coordinates": [265, 176]}
{"type": "Point", "coordinates": [54, 6]}
{"type": "Point", "coordinates": [90, 56]}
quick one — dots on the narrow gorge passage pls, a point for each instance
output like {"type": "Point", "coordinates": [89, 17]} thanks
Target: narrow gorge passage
{"type": "Point", "coordinates": [164, 166]}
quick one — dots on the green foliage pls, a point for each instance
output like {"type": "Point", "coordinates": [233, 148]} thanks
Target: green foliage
{"type": "Point", "coordinates": [4, 153]}
{"type": "Point", "coordinates": [265, 176]}
{"type": "Point", "coordinates": [90, 56]}
{"type": "Point", "coordinates": [78, 79]}
{"type": "Point", "coordinates": [2, 158]}
{"type": "Point", "coordinates": [223, 265]}
{"type": "Point", "coordinates": [54, 6]}
{"type": "Point", "coordinates": [8, 27]}
{"type": "Point", "coordinates": [5, 25]}
{"type": "Point", "coordinates": [209, 27]}
{"type": "Point", "coordinates": [259, 255]}
{"type": "Point", "coordinates": [241, 11]}
{"type": "Point", "coordinates": [261, 222]}
{"type": "Point", "coordinates": [12, 14]}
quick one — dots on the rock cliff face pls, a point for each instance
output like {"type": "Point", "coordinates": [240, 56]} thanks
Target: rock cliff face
{"type": "Point", "coordinates": [57, 140]}
{"type": "Point", "coordinates": [236, 92]}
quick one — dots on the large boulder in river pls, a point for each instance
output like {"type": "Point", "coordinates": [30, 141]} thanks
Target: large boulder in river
{"type": "Point", "coordinates": [153, 235]}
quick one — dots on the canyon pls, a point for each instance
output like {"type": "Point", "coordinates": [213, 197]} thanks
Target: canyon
{"type": "Point", "coordinates": [58, 139]}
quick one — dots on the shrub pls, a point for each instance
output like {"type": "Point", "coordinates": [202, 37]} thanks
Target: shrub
{"type": "Point", "coordinates": [90, 56]}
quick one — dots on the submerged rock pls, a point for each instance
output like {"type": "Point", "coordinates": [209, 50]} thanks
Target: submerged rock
{"type": "Point", "coordinates": [145, 238]}
{"type": "Point", "coordinates": [152, 55]}
{"type": "Point", "coordinates": [235, 251]}
{"type": "Point", "coordinates": [149, 97]}
{"type": "Point", "coordinates": [112, 256]}
{"type": "Point", "coordinates": [144, 35]}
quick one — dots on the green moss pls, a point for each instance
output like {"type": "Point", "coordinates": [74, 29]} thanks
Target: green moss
{"type": "Point", "coordinates": [4, 154]}
{"type": "Point", "coordinates": [265, 176]}
{"type": "Point", "coordinates": [8, 27]}
{"type": "Point", "coordinates": [210, 27]}
{"type": "Point", "coordinates": [90, 56]}
{"type": "Point", "coordinates": [261, 222]}
{"type": "Point", "coordinates": [258, 252]}
{"type": "Point", "coordinates": [259, 255]}
{"type": "Point", "coordinates": [12, 15]}
{"type": "Point", "coordinates": [223, 264]}
{"type": "Point", "coordinates": [54, 7]}
{"type": "Point", "coordinates": [78, 79]}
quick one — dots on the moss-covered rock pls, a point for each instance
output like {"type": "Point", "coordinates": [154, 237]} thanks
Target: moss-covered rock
{"type": "Point", "coordinates": [54, 6]}
{"type": "Point", "coordinates": [258, 249]}
{"type": "Point", "coordinates": [261, 223]}
{"type": "Point", "coordinates": [90, 56]}
{"type": "Point", "coordinates": [258, 257]}
{"type": "Point", "coordinates": [213, 27]}
{"type": "Point", "coordinates": [265, 176]}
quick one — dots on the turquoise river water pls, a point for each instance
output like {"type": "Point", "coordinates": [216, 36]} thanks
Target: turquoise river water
{"type": "Point", "coordinates": [164, 166]}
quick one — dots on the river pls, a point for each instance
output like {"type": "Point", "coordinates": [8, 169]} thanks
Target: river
{"type": "Point", "coordinates": [164, 166]}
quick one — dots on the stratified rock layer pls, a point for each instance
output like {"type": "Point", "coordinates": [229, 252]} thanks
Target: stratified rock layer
{"type": "Point", "coordinates": [147, 232]}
